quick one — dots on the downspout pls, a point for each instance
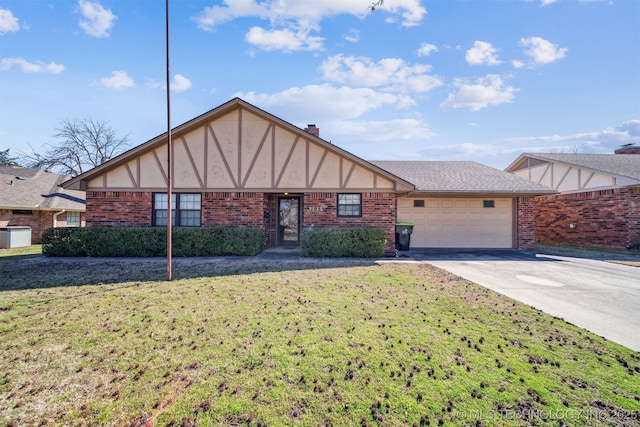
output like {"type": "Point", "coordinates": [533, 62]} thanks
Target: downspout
{"type": "Point", "coordinates": [55, 217]}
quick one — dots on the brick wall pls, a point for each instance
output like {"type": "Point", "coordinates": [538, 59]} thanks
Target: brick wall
{"type": "Point", "coordinates": [378, 210]}
{"type": "Point", "coordinates": [606, 219]}
{"type": "Point", "coordinates": [122, 208]}
{"type": "Point", "coordinates": [118, 208]}
{"type": "Point", "coordinates": [271, 220]}
{"type": "Point", "coordinates": [233, 209]}
{"type": "Point", "coordinates": [112, 208]}
{"type": "Point", "coordinates": [526, 223]}
{"type": "Point", "coordinates": [628, 150]}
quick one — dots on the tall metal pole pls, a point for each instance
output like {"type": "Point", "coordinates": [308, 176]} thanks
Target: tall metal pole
{"type": "Point", "coordinates": [169, 195]}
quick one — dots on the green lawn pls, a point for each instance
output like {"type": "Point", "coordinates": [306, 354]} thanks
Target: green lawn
{"type": "Point", "coordinates": [389, 345]}
{"type": "Point", "coordinates": [22, 252]}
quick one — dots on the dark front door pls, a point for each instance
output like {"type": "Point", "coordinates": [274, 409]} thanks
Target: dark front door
{"type": "Point", "coordinates": [288, 221]}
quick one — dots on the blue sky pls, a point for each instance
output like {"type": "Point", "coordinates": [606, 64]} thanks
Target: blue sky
{"type": "Point", "coordinates": [413, 80]}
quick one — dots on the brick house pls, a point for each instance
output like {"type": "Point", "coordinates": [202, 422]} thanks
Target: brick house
{"type": "Point", "coordinates": [34, 198]}
{"type": "Point", "coordinates": [238, 165]}
{"type": "Point", "coordinates": [598, 204]}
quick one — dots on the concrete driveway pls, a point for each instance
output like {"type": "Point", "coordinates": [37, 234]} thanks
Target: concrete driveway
{"type": "Point", "coordinates": [599, 296]}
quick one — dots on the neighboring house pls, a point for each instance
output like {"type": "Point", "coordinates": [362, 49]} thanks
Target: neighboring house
{"type": "Point", "coordinates": [599, 200]}
{"type": "Point", "coordinates": [34, 198]}
{"type": "Point", "coordinates": [238, 165]}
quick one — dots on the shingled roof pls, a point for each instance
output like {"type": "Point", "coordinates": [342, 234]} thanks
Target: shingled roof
{"type": "Point", "coordinates": [461, 177]}
{"type": "Point", "coordinates": [35, 189]}
{"type": "Point", "coordinates": [620, 165]}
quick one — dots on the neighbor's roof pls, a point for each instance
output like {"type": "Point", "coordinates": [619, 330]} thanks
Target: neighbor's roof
{"type": "Point", "coordinates": [620, 165]}
{"type": "Point", "coordinates": [461, 177]}
{"type": "Point", "coordinates": [35, 189]}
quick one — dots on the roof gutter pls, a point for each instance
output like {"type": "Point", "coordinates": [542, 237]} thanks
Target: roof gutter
{"type": "Point", "coordinates": [478, 194]}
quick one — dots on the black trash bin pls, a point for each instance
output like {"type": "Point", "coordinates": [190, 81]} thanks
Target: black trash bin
{"type": "Point", "coordinates": [403, 235]}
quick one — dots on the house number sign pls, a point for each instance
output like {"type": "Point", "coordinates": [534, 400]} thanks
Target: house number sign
{"type": "Point", "coordinates": [315, 209]}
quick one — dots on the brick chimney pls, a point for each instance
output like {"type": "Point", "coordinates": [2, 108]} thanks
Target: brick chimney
{"type": "Point", "coordinates": [313, 130]}
{"type": "Point", "coordinates": [628, 149]}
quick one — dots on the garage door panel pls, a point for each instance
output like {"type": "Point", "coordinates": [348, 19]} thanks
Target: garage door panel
{"type": "Point", "coordinates": [475, 217]}
{"type": "Point", "coordinates": [419, 216]}
{"type": "Point", "coordinates": [459, 223]}
{"type": "Point", "coordinates": [503, 204]}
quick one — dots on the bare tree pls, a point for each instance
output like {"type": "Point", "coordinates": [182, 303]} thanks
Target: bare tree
{"type": "Point", "coordinates": [83, 144]}
{"type": "Point", "coordinates": [375, 4]}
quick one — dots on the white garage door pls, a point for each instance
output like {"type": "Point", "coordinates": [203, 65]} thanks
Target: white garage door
{"type": "Point", "coordinates": [458, 223]}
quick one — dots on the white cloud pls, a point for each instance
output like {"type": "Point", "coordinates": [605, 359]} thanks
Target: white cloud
{"type": "Point", "coordinates": [8, 22]}
{"type": "Point", "coordinates": [278, 11]}
{"type": "Point", "coordinates": [482, 53]}
{"type": "Point", "coordinates": [517, 63]}
{"type": "Point", "coordinates": [287, 40]}
{"type": "Point", "coordinates": [411, 10]}
{"type": "Point", "coordinates": [338, 111]}
{"type": "Point", "coordinates": [96, 20]}
{"type": "Point", "coordinates": [631, 129]}
{"type": "Point", "coordinates": [396, 130]}
{"type": "Point", "coordinates": [292, 21]}
{"type": "Point", "coordinates": [542, 51]}
{"type": "Point", "coordinates": [30, 67]}
{"type": "Point", "coordinates": [389, 73]}
{"type": "Point", "coordinates": [180, 83]}
{"type": "Point", "coordinates": [481, 94]}
{"type": "Point", "coordinates": [328, 102]}
{"type": "Point", "coordinates": [468, 149]}
{"type": "Point", "coordinates": [152, 83]}
{"type": "Point", "coordinates": [118, 80]}
{"type": "Point", "coordinates": [603, 141]}
{"type": "Point", "coordinates": [426, 49]}
{"type": "Point", "coordinates": [544, 3]}
{"type": "Point", "coordinates": [352, 36]}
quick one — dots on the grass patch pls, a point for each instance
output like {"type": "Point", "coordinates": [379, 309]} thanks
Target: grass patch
{"type": "Point", "coordinates": [390, 344]}
{"type": "Point", "coordinates": [27, 251]}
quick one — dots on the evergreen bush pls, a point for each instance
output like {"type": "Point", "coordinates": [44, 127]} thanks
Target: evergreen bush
{"type": "Point", "coordinates": [151, 241]}
{"type": "Point", "coordinates": [358, 242]}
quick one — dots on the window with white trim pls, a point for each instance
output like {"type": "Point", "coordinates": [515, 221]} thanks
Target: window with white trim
{"type": "Point", "coordinates": [187, 213]}
{"type": "Point", "coordinates": [73, 219]}
{"type": "Point", "coordinates": [349, 204]}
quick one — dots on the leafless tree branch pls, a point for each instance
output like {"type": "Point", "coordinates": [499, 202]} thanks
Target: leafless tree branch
{"type": "Point", "coordinates": [82, 145]}
{"type": "Point", "coordinates": [376, 4]}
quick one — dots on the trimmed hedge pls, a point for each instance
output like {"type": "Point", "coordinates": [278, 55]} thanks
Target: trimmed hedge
{"type": "Point", "coordinates": [151, 241]}
{"type": "Point", "coordinates": [358, 242]}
